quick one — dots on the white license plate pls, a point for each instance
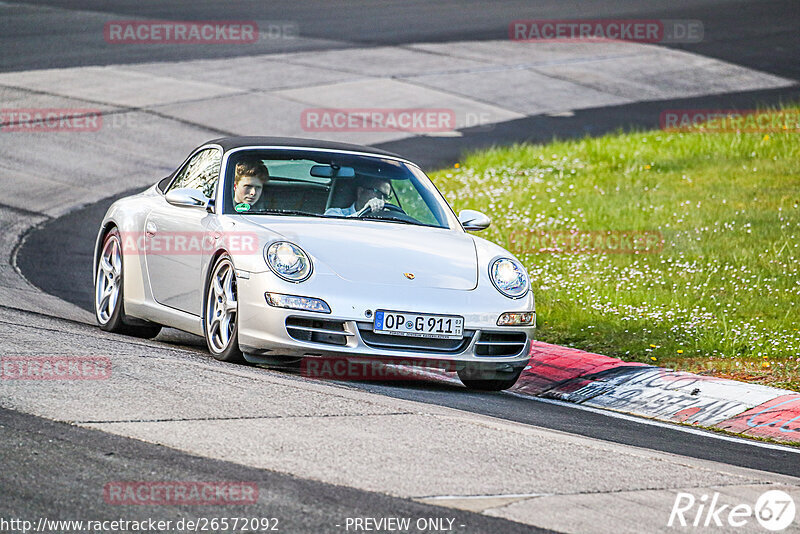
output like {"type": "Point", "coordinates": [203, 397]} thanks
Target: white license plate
{"type": "Point", "coordinates": [418, 324]}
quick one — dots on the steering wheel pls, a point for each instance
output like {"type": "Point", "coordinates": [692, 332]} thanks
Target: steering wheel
{"type": "Point", "coordinates": [386, 207]}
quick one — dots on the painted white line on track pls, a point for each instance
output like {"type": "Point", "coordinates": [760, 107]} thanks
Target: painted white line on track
{"type": "Point", "coordinates": [475, 497]}
{"type": "Point", "coordinates": [671, 426]}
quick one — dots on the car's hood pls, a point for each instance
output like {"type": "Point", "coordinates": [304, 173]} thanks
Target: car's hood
{"type": "Point", "coordinates": [371, 252]}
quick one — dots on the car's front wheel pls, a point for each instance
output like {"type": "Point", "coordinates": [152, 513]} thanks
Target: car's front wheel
{"type": "Point", "coordinates": [488, 377]}
{"type": "Point", "coordinates": [109, 301]}
{"type": "Point", "coordinates": [220, 314]}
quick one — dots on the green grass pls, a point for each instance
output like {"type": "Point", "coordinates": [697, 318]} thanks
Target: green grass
{"type": "Point", "coordinates": [722, 295]}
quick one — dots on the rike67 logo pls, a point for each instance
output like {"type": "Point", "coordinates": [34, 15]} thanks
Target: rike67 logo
{"type": "Point", "coordinates": [774, 510]}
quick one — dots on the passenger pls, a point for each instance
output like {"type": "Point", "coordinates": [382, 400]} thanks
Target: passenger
{"type": "Point", "coordinates": [371, 193]}
{"type": "Point", "coordinates": [248, 182]}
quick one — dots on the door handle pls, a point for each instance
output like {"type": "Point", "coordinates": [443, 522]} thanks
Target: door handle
{"type": "Point", "coordinates": [150, 229]}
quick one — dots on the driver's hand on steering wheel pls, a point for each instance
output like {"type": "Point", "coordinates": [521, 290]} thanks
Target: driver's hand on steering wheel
{"type": "Point", "coordinates": [375, 204]}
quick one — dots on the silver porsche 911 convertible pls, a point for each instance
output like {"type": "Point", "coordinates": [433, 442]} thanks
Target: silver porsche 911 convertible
{"type": "Point", "coordinates": [277, 248]}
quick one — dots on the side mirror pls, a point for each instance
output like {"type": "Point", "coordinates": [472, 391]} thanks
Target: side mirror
{"type": "Point", "coordinates": [186, 197]}
{"type": "Point", "coordinates": [474, 220]}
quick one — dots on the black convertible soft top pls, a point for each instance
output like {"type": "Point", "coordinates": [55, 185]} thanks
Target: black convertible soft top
{"type": "Point", "coordinates": [229, 143]}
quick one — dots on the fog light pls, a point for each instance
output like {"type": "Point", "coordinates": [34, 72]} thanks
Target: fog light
{"type": "Point", "coordinates": [295, 302]}
{"type": "Point", "coordinates": [517, 319]}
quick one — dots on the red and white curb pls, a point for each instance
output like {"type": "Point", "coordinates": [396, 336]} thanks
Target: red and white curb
{"type": "Point", "coordinates": [609, 383]}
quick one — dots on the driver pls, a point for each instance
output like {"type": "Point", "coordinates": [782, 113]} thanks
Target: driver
{"type": "Point", "coordinates": [371, 193]}
{"type": "Point", "coordinates": [249, 179]}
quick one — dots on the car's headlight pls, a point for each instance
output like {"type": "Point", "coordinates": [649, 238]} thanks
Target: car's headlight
{"type": "Point", "coordinates": [509, 277]}
{"type": "Point", "coordinates": [288, 261]}
{"type": "Point", "coordinates": [295, 302]}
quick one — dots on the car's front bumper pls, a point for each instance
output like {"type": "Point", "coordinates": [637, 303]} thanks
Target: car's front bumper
{"type": "Point", "coordinates": [347, 330]}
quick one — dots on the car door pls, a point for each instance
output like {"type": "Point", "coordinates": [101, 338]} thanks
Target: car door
{"type": "Point", "coordinates": [178, 239]}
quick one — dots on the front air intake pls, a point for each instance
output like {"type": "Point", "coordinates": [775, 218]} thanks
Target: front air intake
{"type": "Point", "coordinates": [412, 344]}
{"type": "Point", "coordinates": [500, 343]}
{"type": "Point", "coordinates": [325, 331]}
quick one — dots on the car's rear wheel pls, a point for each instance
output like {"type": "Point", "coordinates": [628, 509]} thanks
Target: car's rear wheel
{"type": "Point", "coordinates": [488, 378]}
{"type": "Point", "coordinates": [221, 312]}
{"type": "Point", "coordinates": [109, 301]}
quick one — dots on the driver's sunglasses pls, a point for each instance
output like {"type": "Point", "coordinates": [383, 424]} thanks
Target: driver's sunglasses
{"type": "Point", "coordinates": [378, 192]}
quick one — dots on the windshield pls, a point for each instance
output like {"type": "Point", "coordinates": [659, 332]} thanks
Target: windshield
{"type": "Point", "coordinates": [332, 184]}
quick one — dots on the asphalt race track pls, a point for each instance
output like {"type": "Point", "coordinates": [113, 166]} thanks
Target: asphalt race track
{"type": "Point", "coordinates": [71, 239]}
{"type": "Point", "coordinates": [91, 457]}
{"type": "Point", "coordinates": [760, 35]}
{"type": "Point", "coordinates": [322, 452]}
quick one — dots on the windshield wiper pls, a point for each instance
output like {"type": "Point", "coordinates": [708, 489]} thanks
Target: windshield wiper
{"type": "Point", "coordinates": [307, 214]}
{"type": "Point", "coordinates": [393, 219]}
{"type": "Point", "coordinates": [285, 212]}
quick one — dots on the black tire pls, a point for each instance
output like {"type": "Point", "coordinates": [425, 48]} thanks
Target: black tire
{"type": "Point", "coordinates": [488, 378]}
{"type": "Point", "coordinates": [223, 342]}
{"type": "Point", "coordinates": [110, 313]}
